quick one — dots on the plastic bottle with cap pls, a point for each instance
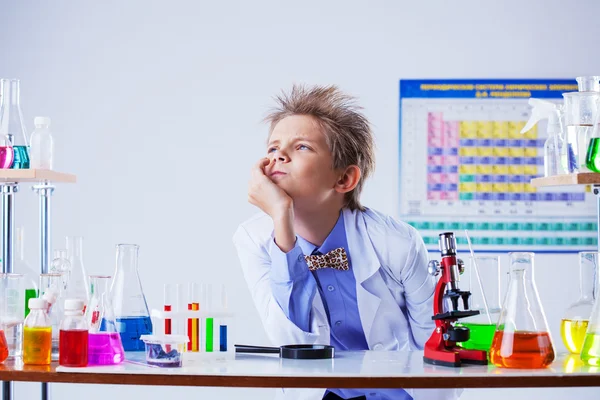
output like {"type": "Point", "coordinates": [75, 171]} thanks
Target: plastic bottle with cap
{"type": "Point", "coordinates": [41, 145]}
{"type": "Point", "coordinates": [37, 334]}
{"type": "Point", "coordinates": [74, 335]}
{"type": "Point", "coordinates": [555, 152]}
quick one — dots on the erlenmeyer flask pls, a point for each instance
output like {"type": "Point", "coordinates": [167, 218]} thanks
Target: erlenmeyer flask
{"type": "Point", "coordinates": [52, 290]}
{"type": "Point", "coordinates": [11, 122]}
{"type": "Point", "coordinates": [131, 309]}
{"type": "Point", "coordinates": [482, 326]}
{"type": "Point", "coordinates": [104, 341]}
{"type": "Point", "coordinates": [21, 266]}
{"type": "Point", "coordinates": [590, 352]}
{"type": "Point", "coordinates": [574, 323]}
{"type": "Point", "coordinates": [522, 338]}
{"type": "Point", "coordinates": [77, 287]}
{"type": "Point", "coordinates": [7, 153]}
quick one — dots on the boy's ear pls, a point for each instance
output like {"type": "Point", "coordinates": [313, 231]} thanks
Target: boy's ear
{"type": "Point", "coordinates": [348, 180]}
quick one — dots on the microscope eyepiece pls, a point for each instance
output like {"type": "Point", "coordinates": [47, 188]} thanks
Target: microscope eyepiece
{"type": "Point", "coordinates": [447, 244]}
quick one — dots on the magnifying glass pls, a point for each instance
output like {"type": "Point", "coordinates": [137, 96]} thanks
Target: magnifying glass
{"type": "Point", "coordinates": [292, 351]}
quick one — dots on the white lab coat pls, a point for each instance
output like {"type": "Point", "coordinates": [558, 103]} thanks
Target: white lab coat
{"type": "Point", "coordinates": [393, 288]}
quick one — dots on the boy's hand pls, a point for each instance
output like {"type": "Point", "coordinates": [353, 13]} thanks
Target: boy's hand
{"type": "Point", "coordinates": [274, 201]}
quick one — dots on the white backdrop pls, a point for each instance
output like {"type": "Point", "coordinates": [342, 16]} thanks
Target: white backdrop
{"type": "Point", "coordinates": [157, 107]}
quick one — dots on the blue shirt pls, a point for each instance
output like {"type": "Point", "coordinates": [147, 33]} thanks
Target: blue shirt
{"type": "Point", "coordinates": [294, 288]}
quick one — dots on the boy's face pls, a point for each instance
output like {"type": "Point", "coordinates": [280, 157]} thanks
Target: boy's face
{"type": "Point", "coordinates": [303, 165]}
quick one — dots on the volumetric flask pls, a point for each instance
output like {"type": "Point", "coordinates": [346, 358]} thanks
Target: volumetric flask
{"type": "Point", "coordinates": [131, 309]}
{"type": "Point", "coordinates": [12, 312]}
{"type": "Point", "coordinates": [574, 323]}
{"type": "Point", "coordinates": [522, 338]}
{"type": "Point", "coordinates": [104, 341]}
{"type": "Point", "coordinates": [51, 290]}
{"type": "Point", "coordinates": [483, 281]}
{"type": "Point", "coordinates": [590, 352]}
{"type": "Point", "coordinates": [11, 121]}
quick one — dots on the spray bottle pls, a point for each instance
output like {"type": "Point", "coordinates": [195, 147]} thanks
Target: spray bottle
{"type": "Point", "coordinates": [555, 151]}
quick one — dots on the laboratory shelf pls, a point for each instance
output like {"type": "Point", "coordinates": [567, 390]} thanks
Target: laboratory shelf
{"type": "Point", "coordinates": [584, 178]}
{"type": "Point", "coordinates": [349, 369]}
{"type": "Point", "coordinates": [35, 175]}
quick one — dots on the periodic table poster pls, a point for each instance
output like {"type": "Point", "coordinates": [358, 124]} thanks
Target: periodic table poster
{"type": "Point", "coordinates": [465, 165]}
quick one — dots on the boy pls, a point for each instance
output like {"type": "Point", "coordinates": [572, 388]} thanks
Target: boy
{"type": "Point", "coordinates": [321, 267]}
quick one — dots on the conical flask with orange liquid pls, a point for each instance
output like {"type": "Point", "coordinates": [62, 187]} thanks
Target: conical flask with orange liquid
{"type": "Point", "coordinates": [522, 338]}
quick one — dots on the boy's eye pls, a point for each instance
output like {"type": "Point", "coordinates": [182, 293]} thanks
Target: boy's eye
{"type": "Point", "coordinates": [303, 147]}
{"type": "Point", "coordinates": [270, 150]}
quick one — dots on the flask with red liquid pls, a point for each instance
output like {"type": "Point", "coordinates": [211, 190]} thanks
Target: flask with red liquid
{"type": "Point", "coordinates": [522, 338]}
{"type": "Point", "coordinates": [73, 343]}
{"type": "Point", "coordinates": [6, 152]}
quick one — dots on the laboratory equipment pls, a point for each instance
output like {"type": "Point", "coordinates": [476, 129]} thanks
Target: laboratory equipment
{"type": "Point", "coordinates": [41, 144]}
{"type": "Point", "coordinates": [3, 345]}
{"type": "Point", "coordinates": [77, 286]}
{"type": "Point", "coordinates": [11, 122]}
{"type": "Point", "coordinates": [164, 350]}
{"type": "Point", "coordinates": [590, 352]}
{"type": "Point", "coordinates": [131, 309]}
{"type": "Point", "coordinates": [170, 299]}
{"type": "Point", "coordinates": [21, 266]}
{"type": "Point", "coordinates": [73, 335]}
{"type": "Point", "coordinates": [588, 83]}
{"type": "Point", "coordinates": [51, 290]}
{"type": "Point", "coordinates": [483, 325]}
{"type": "Point", "coordinates": [37, 336]}
{"type": "Point", "coordinates": [193, 324]}
{"type": "Point", "coordinates": [292, 351]}
{"type": "Point", "coordinates": [580, 109]}
{"type": "Point", "coordinates": [441, 348]}
{"type": "Point", "coordinates": [522, 338]}
{"type": "Point", "coordinates": [223, 321]}
{"type": "Point", "coordinates": [60, 265]}
{"type": "Point", "coordinates": [575, 321]}
{"type": "Point", "coordinates": [13, 312]}
{"type": "Point", "coordinates": [555, 155]}
{"type": "Point", "coordinates": [7, 152]}
{"type": "Point", "coordinates": [209, 332]}
{"type": "Point", "coordinates": [104, 341]}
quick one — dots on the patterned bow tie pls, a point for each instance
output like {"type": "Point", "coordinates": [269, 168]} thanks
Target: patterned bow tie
{"type": "Point", "coordinates": [337, 259]}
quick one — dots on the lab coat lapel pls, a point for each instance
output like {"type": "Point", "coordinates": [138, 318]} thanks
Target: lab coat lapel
{"type": "Point", "coordinates": [365, 264]}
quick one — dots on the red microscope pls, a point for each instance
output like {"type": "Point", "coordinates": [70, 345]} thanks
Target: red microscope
{"type": "Point", "coordinates": [441, 347]}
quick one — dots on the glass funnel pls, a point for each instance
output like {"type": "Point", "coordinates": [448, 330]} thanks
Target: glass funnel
{"type": "Point", "coordinates": [11, 121]}
{"type": "Point", "coordinates": [574, 323]}
{"type": "Point", "coordinates": [12, 312]}
{"type": "Point", "coordinates": [483, 281]}
{"type": "Point", "coordinates": [104, 342]}
{"type": "Point", "coordinates": [77, 287]}
{"type": "Point", "coordinates": [52, 290]}
{"type": "Point", "coordinates": [131, 309]}
{"type": "Point", "coordinates": [590, 352]}
{"type": "Point", "coordinates": [522, 338]}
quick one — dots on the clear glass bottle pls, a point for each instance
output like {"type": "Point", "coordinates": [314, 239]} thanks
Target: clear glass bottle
{"type": "Point", "coordinates": [574, 323]}
{"type": "Point", "coordinates": [42, 144]}
{"type": "Point", "coordinates": [37, 334]}
{"type": "Point", "coordinates": [12, 123]}
{"type": "Point", "coordinates": [7, 153]}
{"type": "Point", "coordinates": [522, 338]}
{"type": "Point", "coordinates": [61, 265]}
{"type": "Point", "coordinates": [21, 266]}
{"type": "Point", "coordinates": [73, 335]}
{"type": "Point", "coordinates": [104, 342]}
{"type": "Point", "coordinates": [12, 312]}
{"type": "Point", "coordinates": [131, 309]}
{"type": "Point", "coordinates": [51, 290]}
{"type": "Point", "coordinates": [77, 287]}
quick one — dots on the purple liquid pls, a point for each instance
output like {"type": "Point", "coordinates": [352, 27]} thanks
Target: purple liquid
{"type": "Point", "coordinates": [7, 155]}
{"type": "Point", "coordinates": [105, 349]}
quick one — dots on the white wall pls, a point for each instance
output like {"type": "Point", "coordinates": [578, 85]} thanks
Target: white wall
{"type": "Point", "coordinates": [156, 106]}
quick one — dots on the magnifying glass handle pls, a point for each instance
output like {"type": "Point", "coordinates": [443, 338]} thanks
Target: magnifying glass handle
{"type": "Point", "coordinates": [242, 348]}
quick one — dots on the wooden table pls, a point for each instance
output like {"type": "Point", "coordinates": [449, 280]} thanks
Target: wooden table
{"type": "Point", "coordinates": [357, 369]}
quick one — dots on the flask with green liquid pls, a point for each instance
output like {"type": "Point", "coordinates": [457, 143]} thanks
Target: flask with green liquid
{"type": "Point", "coordinates": [590, 353]}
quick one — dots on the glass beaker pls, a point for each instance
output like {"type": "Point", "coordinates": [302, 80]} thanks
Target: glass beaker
{"type": "Point", "coordinates": [13, 312]}
{"type": "Point", "coordinates": [51, 290]}
{"type": "Point", "coordinates": [7, 152]}
{"type": "Point", "coordinates": [104, 342]}
{"type": "Point", "coordinates": [522, 338]}
{"type": "Point", "coordinates": [61, 265]}
{"type": "Point", "coordinates": [21, 266]}
{"type": "Point", "coordinates": [483, 326]}
{"type": "Point", "coordinates": [131, 309]}
{"type": "Point", "coordinates": [588, 83]}
{"type": "Point", "coordinates": [590, 352]}
{"type": "Point", "coordinates": [580, 116]}
{"type": "Point", "coordinates": [574, 323]}
{"type": "Point", "coordinates": [12, 123]}
{"type": "Point", "coordinates": [77, 286]}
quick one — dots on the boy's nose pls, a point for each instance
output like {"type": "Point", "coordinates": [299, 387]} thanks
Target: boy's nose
{"type": "Point", "coordinates": [280, 156]}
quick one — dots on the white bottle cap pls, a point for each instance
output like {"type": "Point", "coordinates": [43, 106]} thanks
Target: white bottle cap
{"type": "Point", "coordinates": [73, 305]}
{"type": "Point", "coordinates": [41, 121]}
{"type": "Point", "coordinates": [37, 303]}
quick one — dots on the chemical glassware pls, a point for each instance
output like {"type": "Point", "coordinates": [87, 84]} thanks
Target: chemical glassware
{"type": "Point", "coordinates": [73, 335]}
{"type": "Point", "coordinates": [21, 266]}
{"type": "Point", "coordinates": [580, 116]}
{"type": "Point", "coordinates": [590, 352]}
{"type": "Point", "coordinates": [588, 83]}
{"type": "Point", "coordinates": [61, 265]}
{"type": "Point", "coordinates": [42, 144]}
{"type": "Point", "coordinates": [7, 152]}
{"type": "Point", "coordinates": [574, 323]}
{"type": "Point", "coordinates": [131, 309]}
{"type": "Point", "coordinates": [37, 337]}
{"type": "Point", "coordinates": [13, 312]}
{"type": "Point", "coordinates": [11, 122]}
{"type": "Point", "coordinates": [77, 287]}
{"type": "Point", "coordinates": [104, 341]}
{"type": "Point", "coordinates": [51, 290]}
{"type": "Point", "coordinates": [482, 326]}
{"type": "Point", "coordinates": [522, 338]}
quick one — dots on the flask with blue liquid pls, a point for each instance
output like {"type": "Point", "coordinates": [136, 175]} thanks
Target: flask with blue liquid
{"type": "Point", "coordinates": [130, 307]}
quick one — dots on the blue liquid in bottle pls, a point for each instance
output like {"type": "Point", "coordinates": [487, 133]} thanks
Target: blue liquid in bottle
{"type": "Point", "coordinates": [223, 338]}
{"type": "Point", "coordinates": [21, 157]}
